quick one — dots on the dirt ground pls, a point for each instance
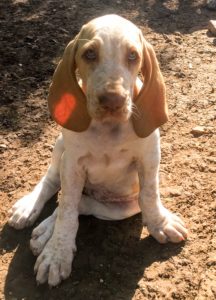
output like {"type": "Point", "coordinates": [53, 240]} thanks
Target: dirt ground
{"type": "Point", "coordinates": [115, 260]}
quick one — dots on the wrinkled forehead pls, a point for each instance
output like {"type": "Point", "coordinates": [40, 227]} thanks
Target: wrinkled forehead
{"type": "Point", "coordinates": [112, 29]}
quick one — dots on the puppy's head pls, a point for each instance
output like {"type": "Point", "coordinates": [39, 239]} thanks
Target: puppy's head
{"type": "Point", "coordinates": [108, 54]}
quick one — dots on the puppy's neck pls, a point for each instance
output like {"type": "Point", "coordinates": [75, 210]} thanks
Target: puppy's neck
{"type": "Point", "coordinates": [111, 129]}
{"type": "Point", "coordinates": [107, 126]}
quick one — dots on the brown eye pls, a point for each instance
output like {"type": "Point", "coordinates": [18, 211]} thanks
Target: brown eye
{"type": "Point", "coordinates": [90, 54]}
{"type": "Point", "coordinates": [132, 56]}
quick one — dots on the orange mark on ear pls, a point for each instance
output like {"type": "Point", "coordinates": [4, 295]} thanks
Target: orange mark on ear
{"type": "Point", "coordinates": [64, 108]}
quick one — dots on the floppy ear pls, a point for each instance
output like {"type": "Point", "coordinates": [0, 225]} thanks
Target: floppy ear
{"type": "Point", "coordinates": [66, 101]}
{"type": "Point", "coordinates": [151, 101]}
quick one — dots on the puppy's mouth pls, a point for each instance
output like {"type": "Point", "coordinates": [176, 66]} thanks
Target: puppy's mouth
{"type": "Point", "coordinates": [119, 115]}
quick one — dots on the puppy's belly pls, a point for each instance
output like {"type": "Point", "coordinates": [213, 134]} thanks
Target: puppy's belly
{"type": "Point", "coordinates": [108, 205]}
{"type": "Point", "coordinates": [119, 188]}
{"type": "Point", "coordinates": [103, 195]}
{"type": "Point", "coordinates": [114, 186]}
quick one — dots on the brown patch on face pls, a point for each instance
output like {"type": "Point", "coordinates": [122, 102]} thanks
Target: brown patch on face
{"type": "Point", "coordinates": [84, 158]}
{"type": "Point", "coordinates": [123, 150]}
{"type": "Point", "coordinates": [135, 188]}
{"type": "Point", "coordinates": [107, 160]}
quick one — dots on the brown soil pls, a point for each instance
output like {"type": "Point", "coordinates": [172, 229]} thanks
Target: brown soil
{"type": "Point", "coordinates": [115, 260]}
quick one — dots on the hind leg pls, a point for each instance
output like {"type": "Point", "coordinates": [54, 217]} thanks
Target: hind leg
{"type": "Point", "coordinates": [42, 233]}
{"type": "Point", "coordinates": [26, 210]}
{"type": "Point", "coordinates": [87, 206]}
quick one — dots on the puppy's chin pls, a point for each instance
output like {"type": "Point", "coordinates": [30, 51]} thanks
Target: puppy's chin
{"type": "Point", "coordinates": [121, 116]}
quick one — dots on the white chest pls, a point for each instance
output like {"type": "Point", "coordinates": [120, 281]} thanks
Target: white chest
{"type": "Point", "coordinates": [108, 167]}
{"type": "Point", "coordinates": [108, 154]}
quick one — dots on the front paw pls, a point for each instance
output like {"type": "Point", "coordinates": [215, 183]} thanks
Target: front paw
{"type": "Point", "coordinates": [25, 211]}
{"type": "Point", "coordinates": [54, 262]}
{"type": "Point", "coordinates": [167, 227]}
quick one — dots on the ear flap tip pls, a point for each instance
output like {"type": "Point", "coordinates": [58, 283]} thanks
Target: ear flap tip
{"type": "Point", "coordinates": [145, 132]}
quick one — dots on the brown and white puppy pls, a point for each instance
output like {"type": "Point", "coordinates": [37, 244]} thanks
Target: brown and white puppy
{"type": "Point", "coordinates": [106, 160]}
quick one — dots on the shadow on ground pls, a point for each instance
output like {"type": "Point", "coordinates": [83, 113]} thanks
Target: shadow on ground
{"type": "Point", "coordinates": [109, 263]}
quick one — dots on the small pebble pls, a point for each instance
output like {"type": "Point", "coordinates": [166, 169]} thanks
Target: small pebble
{"type": "Point", "coordinates": [212, 27]}
{"type": "Point", "coordinates": [198, 131]}
{"type": "Point", "coordinates": [3, 146]}
{"type": "Point", "coordinates": [211, 260]}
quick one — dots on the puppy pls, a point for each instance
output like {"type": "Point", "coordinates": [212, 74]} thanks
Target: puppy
{"type": "Point", "coordinates": [106, 159]}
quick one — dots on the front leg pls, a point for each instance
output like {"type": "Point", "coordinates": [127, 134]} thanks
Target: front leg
{"type": "Point", "coordinates": [26, 210]}
{"type": "Point", "coordinates": [161, 223]}
{"type": "Point", "coordinates": [54, 262]}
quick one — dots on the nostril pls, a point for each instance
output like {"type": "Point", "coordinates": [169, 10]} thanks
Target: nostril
{"type": "Point", "coordinates": [111, 101]}
{"type": "Point", "coordinates": [103, 99]}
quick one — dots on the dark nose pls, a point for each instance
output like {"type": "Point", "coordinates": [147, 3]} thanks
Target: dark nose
{"type": "Point", "coordinates": [111, 101]}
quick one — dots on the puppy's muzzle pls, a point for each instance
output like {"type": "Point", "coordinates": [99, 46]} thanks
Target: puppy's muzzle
{"type": "Point", "coordinates": [111, 101]}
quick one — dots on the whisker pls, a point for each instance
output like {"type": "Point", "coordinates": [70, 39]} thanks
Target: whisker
{"type": "Point", "coordinates": [135, 111]}
{"type": "Point", "coordinates": [84, 40]}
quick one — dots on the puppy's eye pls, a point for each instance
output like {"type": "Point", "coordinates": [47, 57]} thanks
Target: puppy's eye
{"type": "Point", "coordinates": [90, 54]}
{"type": "Point", "coordinates": [132, 56]}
